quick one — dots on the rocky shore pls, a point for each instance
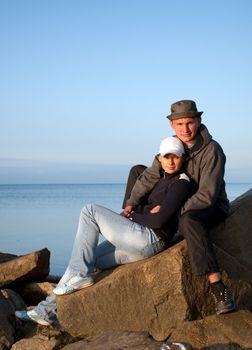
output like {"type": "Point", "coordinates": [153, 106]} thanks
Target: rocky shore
{"type": "Point", "coordinates": [138, 306]}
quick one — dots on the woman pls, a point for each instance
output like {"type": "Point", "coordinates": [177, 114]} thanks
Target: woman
{"type": "Point", "coordinates": [138, 236]}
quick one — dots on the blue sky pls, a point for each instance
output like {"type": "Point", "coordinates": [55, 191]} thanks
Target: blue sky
{"type": "Point", "coordinates": [85, 85]}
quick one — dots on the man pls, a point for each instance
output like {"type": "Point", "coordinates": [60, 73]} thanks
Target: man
{"type": "Point", "coordinates": [208, 206]}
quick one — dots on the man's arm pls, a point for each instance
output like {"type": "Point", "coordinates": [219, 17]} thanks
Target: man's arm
{"type": "Point", "coordinates": [144, 184]}
{"type": "Point", "coordinates": [212, 168]}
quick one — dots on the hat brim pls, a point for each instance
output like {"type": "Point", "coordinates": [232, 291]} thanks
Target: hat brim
{"type": "Point", "coordinates": [178, 154]}
{"type": "Point", "coordinates": [189, 114]}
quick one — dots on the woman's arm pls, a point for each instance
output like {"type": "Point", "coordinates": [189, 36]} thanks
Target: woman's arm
{"type": "Point", "coordinates": [172, 202]}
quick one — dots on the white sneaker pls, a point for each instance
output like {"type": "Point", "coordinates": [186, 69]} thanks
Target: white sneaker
{"type": "Point", "coordinates": [32, 315]}
{"type": "Point", "coordinates": [75, 283]}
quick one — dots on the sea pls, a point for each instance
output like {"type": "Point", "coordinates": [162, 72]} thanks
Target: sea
{"type": "Point", "coordinates": [33, 217]}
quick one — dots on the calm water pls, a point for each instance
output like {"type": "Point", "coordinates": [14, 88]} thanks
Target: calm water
{"type": "Point", "coordinates": [37, 216]}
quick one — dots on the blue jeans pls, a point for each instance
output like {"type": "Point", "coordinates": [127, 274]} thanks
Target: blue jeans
{"type": "Point", "coordinates": [125, 241]}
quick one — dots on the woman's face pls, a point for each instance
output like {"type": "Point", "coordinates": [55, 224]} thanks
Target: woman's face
{"type": "Point", "coordinates": [170, 163]}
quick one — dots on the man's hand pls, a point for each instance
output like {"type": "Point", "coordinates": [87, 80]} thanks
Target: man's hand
{"type": "Point", "coordinates": [127, 210]}
{"type": "Point", "coordinates": [155, 209]}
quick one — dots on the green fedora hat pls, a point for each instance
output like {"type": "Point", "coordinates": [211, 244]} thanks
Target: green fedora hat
{"type": "Point", "coordinates": [184, 109]}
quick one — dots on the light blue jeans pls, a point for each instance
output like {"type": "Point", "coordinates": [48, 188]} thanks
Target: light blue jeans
{"type": "Point", "coordinates": [125, 242]}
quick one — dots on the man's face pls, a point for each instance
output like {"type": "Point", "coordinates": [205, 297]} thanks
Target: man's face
{"type": "Point", "coordinates": [186, 129]}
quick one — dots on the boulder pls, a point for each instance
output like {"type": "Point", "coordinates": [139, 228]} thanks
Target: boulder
{"type": "Point", "coordinates": [9, 300]}
{"type": "Point", "coordinates": [14, 300]}
{"type": "Point", "coordinates": [36, 343]}
{"type": "Point", "coordinates": [230, 331]}
{"type": "Point", "coordinates": [226, 332]}
{"type": "Point", "coordinates": [153, 295]}
{"type": "Point", "coordinates": [129, 298]}
{"type": "Point", "coordinates": [6, 257]}
{"type": "Point", "coordinates": [116, 341]}
{"type": "Point", "coordinates": [25, 268]}
{"type": "Point", "coordinates": [159, 293]}
{"type": "Point", "coordinates": [42, 338]}
{"type": "Point", "coordinates": [34, 292]}
{"type": "Point", "coordinates": [234, 234]}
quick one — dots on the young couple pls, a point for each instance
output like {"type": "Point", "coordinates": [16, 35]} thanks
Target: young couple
{"type": "Point", "coordinates": [183, 190]}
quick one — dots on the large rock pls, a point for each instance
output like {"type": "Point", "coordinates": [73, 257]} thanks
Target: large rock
{"type": "Point", "coordinates": [7, 327]}
{"type": "Point", "coordinates": [147, 295]}
{"type": "Point", "coordinates": [37, 343]}
{"type": "Point", "coordinates": [37, 337]}
{"type": "Point", "coordinates": [230, 331]}
{"type": "Point", "coordinates": [116, 341]}
{"type": "Point", "coordinates": [225, 332]}
{"type": "Point", "coordinates": [24, 268]}
{"type": "Point", "coordinates": [34, 292]}
{"type": "Point", "coordinates": [159, 293]}
{"type": "Point", "coordinates": [9, 301]}
{"type": "Point", "coordinates": [235, 234]}
{"type": "Point", "coordinates": [6, 257]}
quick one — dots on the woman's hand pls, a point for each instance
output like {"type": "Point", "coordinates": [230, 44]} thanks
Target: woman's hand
{"type": "Point", "coordinates": [126, 211]}
{"type": "Point", "coordinates": [155, 209]}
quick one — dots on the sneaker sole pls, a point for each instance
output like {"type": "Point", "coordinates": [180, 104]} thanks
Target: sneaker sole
{"type": "Point", "coordinates": [74, 289]}
{"type": "Point", "coordinates": [42, 323]}
{"type": "Point", "coordinates": [39, 321]}
{"type": "Point", "coordinates": [225, 310]}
